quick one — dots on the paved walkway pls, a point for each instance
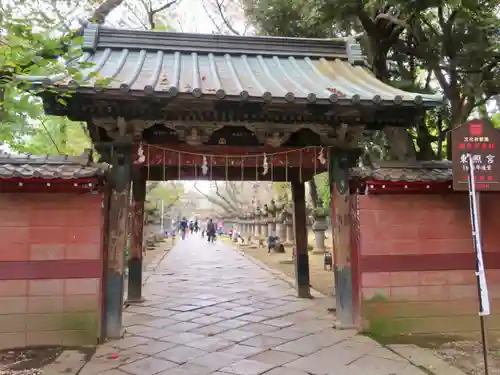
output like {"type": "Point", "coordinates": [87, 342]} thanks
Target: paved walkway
{"type": "Point", "coordinates": [210, 310]}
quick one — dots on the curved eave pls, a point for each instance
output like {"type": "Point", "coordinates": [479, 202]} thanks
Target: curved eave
{"type": "Point", "coordinates": [118, 94]}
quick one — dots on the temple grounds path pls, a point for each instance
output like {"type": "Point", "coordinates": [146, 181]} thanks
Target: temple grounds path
{"type": "Point", "coordinates": [210, 310]}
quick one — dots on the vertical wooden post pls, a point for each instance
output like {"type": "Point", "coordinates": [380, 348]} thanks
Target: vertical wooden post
{"type": "Point", "coordinates": [340, 161]}
{"type": "Point", "coordinates": [118, 219]}
{"type": "Point", "coordinates": [302, 255]}
{"type": "Point", "coordinates": [136, 245]}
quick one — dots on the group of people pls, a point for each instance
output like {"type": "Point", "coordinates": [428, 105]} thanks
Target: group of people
{"type": "Point", "coordinates": [210, 229]}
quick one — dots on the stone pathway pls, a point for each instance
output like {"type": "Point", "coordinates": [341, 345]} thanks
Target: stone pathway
{"type": "Point", "coordinates": [209, 310]}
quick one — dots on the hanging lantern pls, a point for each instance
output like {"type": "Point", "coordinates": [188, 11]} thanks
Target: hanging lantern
{"type": "Point", "coordinates": [321, 156]}
{"type": "Point", "coordinates": [265, 165]}
{"type": "Point", "coordinates": [204, 166]}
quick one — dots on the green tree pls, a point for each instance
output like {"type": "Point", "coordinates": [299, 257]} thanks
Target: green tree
{"type": "Point", "coordinates": [422, 46]}
{"type": "Point", "coordinates": [36, 39]}
{"type": "Point", "coordinates": [409, 44]}
{"type": "Point", "coordinates": [170, 193]}
{"type": "Point", "coordinates": [54, 135]}
{"type": "Point", "coordinates": [495, 119]}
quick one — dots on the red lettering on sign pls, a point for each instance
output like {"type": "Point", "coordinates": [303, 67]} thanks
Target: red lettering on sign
{"type": "Point", "coordinates": [484, 146]}
{"type": "Point", "coordinates": [469, 146]}
{"type": "Point", "coordinates": [476, 128]}
{"type": "Point", "coordinates": [461, 146]}
{"type": "Point", "coordinates": [481, 178]}
{"type": "Point", "coordinates": [490, 178]}
{"type": "Point", "coordinates": [491, 146]}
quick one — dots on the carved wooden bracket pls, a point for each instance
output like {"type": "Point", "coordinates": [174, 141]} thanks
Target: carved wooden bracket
{"type": "Point", "coordinates": [195, 133]}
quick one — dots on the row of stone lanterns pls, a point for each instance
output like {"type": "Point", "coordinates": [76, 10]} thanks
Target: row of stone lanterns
{"type": "Point", "coordinates": [273, 218]}
{"type": "Point", "coordinates": [277, 218]}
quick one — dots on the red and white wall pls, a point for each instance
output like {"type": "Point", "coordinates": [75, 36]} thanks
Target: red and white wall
{"type": "Point", "coordinates": [416, 263]}
{"type": "Point", "coordinates": [51, 269]}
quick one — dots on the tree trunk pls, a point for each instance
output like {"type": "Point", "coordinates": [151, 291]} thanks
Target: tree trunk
{"type": "Point", "coordinates": [401, 145]}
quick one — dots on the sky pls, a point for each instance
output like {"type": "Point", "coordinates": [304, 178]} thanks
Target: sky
{"type": "Point", "coordinates": [187, 16]}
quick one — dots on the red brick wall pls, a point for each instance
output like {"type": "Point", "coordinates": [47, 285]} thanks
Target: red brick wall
{"type": "Point", "coordinates": [50, 269]}
{"type": "Point", "coordinates": [417, 263]}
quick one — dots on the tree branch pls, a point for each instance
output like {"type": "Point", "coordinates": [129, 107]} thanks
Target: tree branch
{"type": "Point", "coordinates": [212, 200]}
{"type": "Point", "coordinates": [103, 10]}
{"type": "Point", "coordinates": [209, 14]}
{"type": "Point", "coordinates": [164, 7]}
{"type": "Point", "coordinates": [221, 10]}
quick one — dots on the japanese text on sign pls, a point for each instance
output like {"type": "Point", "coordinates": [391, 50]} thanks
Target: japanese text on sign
{"type": "Point", "coordinates": [479, 140]}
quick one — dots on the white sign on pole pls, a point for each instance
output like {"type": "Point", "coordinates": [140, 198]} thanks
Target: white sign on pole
{"type": "Point", "coordinates": [484, 301]}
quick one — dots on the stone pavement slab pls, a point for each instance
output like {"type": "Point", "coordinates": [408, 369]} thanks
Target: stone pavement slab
{"type": "Point", "coordinates": [211, 311]}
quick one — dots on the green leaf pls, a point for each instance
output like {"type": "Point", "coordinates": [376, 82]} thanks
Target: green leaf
{"type": "Point", "coordinates": [62, 101]}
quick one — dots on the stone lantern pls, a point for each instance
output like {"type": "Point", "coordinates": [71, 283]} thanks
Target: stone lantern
{"type": "Point", "coordinates": [289, 229]}
{"type": "Point", "coordinates": [271, 222]}
{"type": "Point", "coordinates": [280, 222]}
{"type": "Point", "coordinates": [251, 226]}
{"type": "Point", "coordinates": [257, 217]}
{"type": "Point", "coordinates": [264, 222]}
{"type": "Point", "coordinates": [319, 227]}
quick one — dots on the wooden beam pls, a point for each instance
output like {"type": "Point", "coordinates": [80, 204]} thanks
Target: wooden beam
{"type": "Point", "coordinates": [301, 253]}
{"type": "Point", "coordinates": [136, 246]}
{"type": "Point", "coordinates": [118, 219]}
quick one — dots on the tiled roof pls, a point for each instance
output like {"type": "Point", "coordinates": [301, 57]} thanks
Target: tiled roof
{"type": "Point", "coordinates": [47, 167]}
{"type": "Point", "coordinates": [405, 172]}
{"type": "Point", "coordinates": [233, 67]}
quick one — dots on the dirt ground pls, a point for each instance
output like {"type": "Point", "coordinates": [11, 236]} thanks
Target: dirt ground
{"type": "Point", "coordinates": [465, 355]}
{"type": "Point", "coordinates": [321, 279]}
{"type": "Point", "coordinates": [28, 361]}
{"type": "Point", "coordinates": [468, 356]}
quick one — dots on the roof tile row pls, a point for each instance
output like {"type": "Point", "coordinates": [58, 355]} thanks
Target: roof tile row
{"type": "Point", "coordinates": [48, 167]}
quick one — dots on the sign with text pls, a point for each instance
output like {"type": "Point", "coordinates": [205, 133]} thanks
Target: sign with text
{"type": "Point", "coordinates": [478, 140]}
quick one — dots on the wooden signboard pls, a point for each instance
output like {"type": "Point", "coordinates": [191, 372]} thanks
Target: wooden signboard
{"type": "Point", "coordinates": [479, 139]}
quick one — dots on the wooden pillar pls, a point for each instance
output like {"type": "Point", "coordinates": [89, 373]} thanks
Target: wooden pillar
{"type": "Point", "coordinates": [302, 255]}
{"type": "Point", "coordinates": [117, 240]}
{"type": "Point", "coordinates": [136, 244]}
{"type": "Point", "coordinates": [340, 161]}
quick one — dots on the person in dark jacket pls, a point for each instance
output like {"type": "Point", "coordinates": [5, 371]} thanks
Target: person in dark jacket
{"type": "Point", "coordinates": [183, 227]}
{"type": "Point", "coordinates": [211, 231]}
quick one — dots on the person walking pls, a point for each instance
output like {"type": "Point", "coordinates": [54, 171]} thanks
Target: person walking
{"type": "Point", "coordinates": [183, 226]}
{"type": "Point", "coordinates": [211, 231]}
